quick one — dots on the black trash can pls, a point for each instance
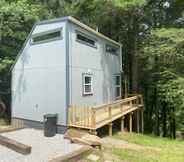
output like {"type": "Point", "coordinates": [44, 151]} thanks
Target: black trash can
{"type": "Point", "coordinates": [50, 125]}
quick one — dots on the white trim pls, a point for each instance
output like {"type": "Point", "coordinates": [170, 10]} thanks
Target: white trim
{"type": "Point", "coordinates": [87, 84]}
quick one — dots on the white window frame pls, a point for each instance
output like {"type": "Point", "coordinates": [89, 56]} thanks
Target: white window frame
{"type": "Point", "coordinates": [117, 86]}
{"type": "Point", "coordinates": [87, 84]}
{"type": "Point", "coordinates": [45, 33]}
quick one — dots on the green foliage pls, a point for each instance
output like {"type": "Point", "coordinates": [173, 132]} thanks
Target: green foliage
{"type": "Point", "coordinates": [16, 20]}
{"type": "Point", "coordinates": [163, 56]}
{"type": "Point", "coordinates": [127, 3]}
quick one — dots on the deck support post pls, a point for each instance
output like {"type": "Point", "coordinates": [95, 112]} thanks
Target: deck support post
{"type": "Point", "coordinates": [122, 123]}
{"type": "Point", "coordinates": [138, 121]}
{"type": "Point", "coordinates": [110, 129]}
{"type": "Point", "coordinates": [130, 122]}
{"type": "Point", "coordinates": [142, 120]}
{"type": "Point", "coordinates": [93, 132]}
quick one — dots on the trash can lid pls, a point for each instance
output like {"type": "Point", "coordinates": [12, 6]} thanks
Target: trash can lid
{"type": "Point", "coordinates": [50, 115]}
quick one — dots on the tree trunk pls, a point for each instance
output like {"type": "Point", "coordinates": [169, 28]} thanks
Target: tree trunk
{"type": "Point", "coordinates": [164, 117]}
{"type": "Point", "coordinates": [174, 124]}
{"type": "Point", "coordinates": [135, 67]}
{"type": "Point", "coordinates": [135, 74]}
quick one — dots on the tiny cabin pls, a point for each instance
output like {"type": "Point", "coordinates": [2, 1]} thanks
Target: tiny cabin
{"type": "Point", "coordinates": [64, 62]}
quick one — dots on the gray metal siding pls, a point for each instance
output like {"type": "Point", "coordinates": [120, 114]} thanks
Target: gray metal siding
{"type": "Point", "coordinates": [38, 79]}
{"type": "Point", "coordinates": [102, 65]}
{"type": "Point", "coordinates": [48, 77]}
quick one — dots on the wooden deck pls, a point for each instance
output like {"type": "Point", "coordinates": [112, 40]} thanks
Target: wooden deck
{"type": "Point", "coordinates": [95, 117]}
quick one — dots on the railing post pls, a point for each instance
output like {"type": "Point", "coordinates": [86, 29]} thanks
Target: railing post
{"type": "Point", "coordinates": [136, 101]}
{"type": "Point", "coordinates": [122, 123]}
{"type": "Point", "coordinates": [110, 112]}
{"type": "Point", "coordinates": [142, 100]}
{"type": "Point", "coordinates": [138, 120]}
{"type": "Point", "coordinates": [131, 105]}
{"type": "Point", "coordinates": [130, 122]}
{"type": "Point", "coordinates": [121, 106]}
{"type": "Point", "coordinates": [93, 118]}
{"type": "Point", "coordinates": [110, 129]}
{"type": "Point", "coordinates": [142, 120]}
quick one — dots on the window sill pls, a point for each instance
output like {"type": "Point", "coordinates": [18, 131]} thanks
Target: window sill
{"type": "Point", "coordinates": [87, 94]}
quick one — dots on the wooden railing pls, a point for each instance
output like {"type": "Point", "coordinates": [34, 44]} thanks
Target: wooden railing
{"type": "Point", "coordinates": [98, 116]}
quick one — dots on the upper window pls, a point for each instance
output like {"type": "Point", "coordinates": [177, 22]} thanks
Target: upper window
{"type": "Point", "coordinates": [47, 36]}
{"type": "Point", "coordinates": [111, 49]}
{"type": "Point", "coordinates": [83, 38]}
{"type": "Point", "coordinates": [87, 84]}
{"type": "Point", "coordinates": [117, 85]}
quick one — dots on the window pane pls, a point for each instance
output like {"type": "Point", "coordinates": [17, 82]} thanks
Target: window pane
{"type": "Point", "coordinates": [88, 89]}
{"type": "Point", "coordinates": [117, 80]}
{"type": "Point", "coordinates": [85, 39]}
{"type": "Point", "coordinates": [87, 80]}
{"type": "Point", "coordinates": [47, 36]}
{"type": "Point", "coordinates": [117, 91]}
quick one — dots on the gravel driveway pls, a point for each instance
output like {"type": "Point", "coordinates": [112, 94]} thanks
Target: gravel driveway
{"type": "Point", "coordinates": [43, 148]}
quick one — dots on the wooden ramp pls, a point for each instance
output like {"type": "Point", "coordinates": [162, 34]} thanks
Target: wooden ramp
{"type": "Point", "coordinates": [95, 117]}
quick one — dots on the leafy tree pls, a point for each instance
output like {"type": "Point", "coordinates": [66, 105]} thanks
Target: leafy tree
{"type": "Point", "coordinates": [16, 20]}
{"type": "Point", "coordinates": [162, 80]}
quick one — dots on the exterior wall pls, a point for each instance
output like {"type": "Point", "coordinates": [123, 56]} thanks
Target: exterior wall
{"type": "Point", "coordinates": [24, 123]}
{"type": "Point", "coordinates": [102, 65]}
{"type": "Point", "coordinates": [43, 78]}
{"type": "Point", "coordinates": [39, 79]}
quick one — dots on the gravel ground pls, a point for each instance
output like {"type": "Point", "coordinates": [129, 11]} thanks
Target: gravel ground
{"type": "Point", "coordinates": [43, 148]}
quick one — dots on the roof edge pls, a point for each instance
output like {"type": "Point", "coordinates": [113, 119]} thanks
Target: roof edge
{"type": "Point", "coordinates": [66, 18]}
{"type": "Point", "coordinates": [82, 25]}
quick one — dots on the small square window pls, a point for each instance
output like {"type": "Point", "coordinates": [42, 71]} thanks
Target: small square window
{"type": "Point", "coordinates": [87, 84]}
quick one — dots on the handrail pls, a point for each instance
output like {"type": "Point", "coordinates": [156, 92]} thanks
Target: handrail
{"type": "Point", "coordinates": [96, 116]}
{"type": "Point", "coordinates": [117, 101]}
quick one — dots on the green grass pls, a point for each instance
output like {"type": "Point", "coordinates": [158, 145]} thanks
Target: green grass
{"type": "Point", "coordinates": [155, 149]}
{"type": "Point", "coordinates": [134, 156]}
